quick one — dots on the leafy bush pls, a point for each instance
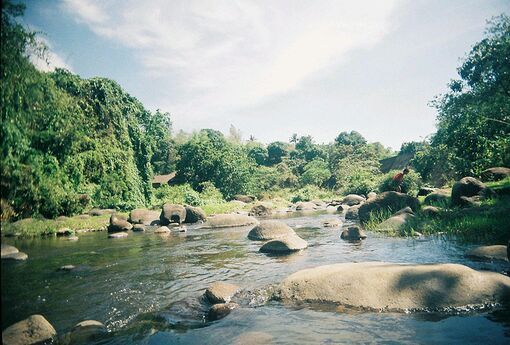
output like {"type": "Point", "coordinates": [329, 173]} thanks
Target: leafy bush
{"type": "Point", "coordinates": [410, 185]}
{"type": "Point", "coordinates": [315, 173]}
{"type": "Point", "coordinates": [311, 192]}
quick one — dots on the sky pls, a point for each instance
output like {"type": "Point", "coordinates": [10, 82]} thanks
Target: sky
{"type": "Point", "coordinates": [272, 68]}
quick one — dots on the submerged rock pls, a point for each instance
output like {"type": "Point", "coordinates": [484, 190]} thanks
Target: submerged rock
{"type": "Point", "coordinates": [284, 245]}
{"type": "Point", "coordinates": [219, 311]}
{"type": "Point", "coordinates": [496, 252]}
{"type": "Point", "coordinates": [73, 238]}
{"type": "Point", "coordinates": [87, 331]}
{"type": "Point", "coordinates": [162, 230]}
{"type": "Point", "coordinates": [254, 338]}
{"type": "Point", "coordinates": [220, 292]}
{"type": "Point", "coordinates": [332, 223]}
{"type": "Point", "coordinates": [33, 330]}
{"type": "Point", "coordinates": [118, 235]}
{"type": "Point", "coordinates": [67, 268]}
{"type": "Point", "coordinates": [229, 220]}
{"type": "Point", "coordinates": [399, 287]}
{"type": "Point", "coordinates": [353, 233]}
{"type": "Point", "coordinates": [20, 256]}
{"type": "Point", "coordinates": [270, 230]}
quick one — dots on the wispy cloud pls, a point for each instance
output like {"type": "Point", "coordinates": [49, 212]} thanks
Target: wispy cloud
{"type": "Point", "coordinates": [225, 55]}
{"type": "Point", "coordinates": [49, 60]}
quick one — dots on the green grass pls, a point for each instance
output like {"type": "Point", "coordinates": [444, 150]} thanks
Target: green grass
{"type": "Point", "coordinates": [32, 227]}
{"type": "Point", "coordinates": [225, 207]}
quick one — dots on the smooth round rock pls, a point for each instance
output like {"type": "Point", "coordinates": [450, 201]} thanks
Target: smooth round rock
{"type": "Point", "coordinates": [87, 331]}
{"type": "Point", "coordinates": [332, 223]}
{"type": "Point", "coordinates": [33, 330]}
{"type": "Point", "coordinates": [220, 292]}
{"type": "Point", "coordinates": [353, 233]}
{"type": "Point", "coordinates": [67, 268]}
{"type": "Point", "coordinates": [353, 199]}
{"type": "Point", "coordinates": [229, 220]}
{"type": "Point", "coordinates": [270, 230]}
{"type": "Point", "coordinates": [118, 235]}
{"type": "Point", "coordinates": [8, 249]}
{"type": "Point", "coordinates": [496, 252]}
{"type": "Point", "coordinates": [284, 245]}
{"type": "Point", "coordinates": [352, 212]}
{"type": "Point", "coordinates": [19, 256]}
{"type": "Point", "coordinates": [396, 287]}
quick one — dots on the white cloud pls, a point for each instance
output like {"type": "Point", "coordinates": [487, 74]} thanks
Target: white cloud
{"type": "Point", "coordinates": [50, 59]}
{"type": "Point", "coordinates": [225, 55]}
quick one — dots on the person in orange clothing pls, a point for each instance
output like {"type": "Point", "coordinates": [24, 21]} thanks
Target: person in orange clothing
{"type": "Point", "coordinates": [399, 178]}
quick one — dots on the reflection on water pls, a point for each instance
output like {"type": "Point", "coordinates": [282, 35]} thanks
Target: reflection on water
{"type": "Point", "coordinates": [146, 287]}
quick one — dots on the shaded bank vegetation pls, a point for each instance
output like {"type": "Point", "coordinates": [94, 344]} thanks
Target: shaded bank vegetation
{"type": "Point", "coordinates": [69, 143]}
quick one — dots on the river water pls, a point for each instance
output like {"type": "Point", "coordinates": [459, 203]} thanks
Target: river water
{"type": "Point", "coordinates": [145, 288]}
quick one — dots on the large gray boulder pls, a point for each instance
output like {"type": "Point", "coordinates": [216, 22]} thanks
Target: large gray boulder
{"type": "Point", "coordinates": [194, 214]}
{"type": "Point", "coordinates": [353, 199]}
{"type": "Point", "coordinates": [495, 174]}
{"type": "Point", "coordinates": [387, 201]}
{"type": "Point", "coordinates": [396, 287]}
{"type": "Point", "coordinates": [33, 330]}
{"type": "Point", "coordinates": [439, 197]}
{"type": "Point", "coordinates": [220, 292]}
{"type": "Point", "coordinates": [229, 220]}
{"type": "Point", "coordinates": [144, 216]}
{"type": "Point", "coordinates": [284, 245]}
{"type": "Point", "coordinates": [270, 230]}
{"type": "Point", "coordinates": [119, 223]}
{"type": "Point", "coordinates": [496, 252]}
{"type": "Point", "coordinates": [172, 214]}
{"type": "Point", "coordinates": [468, 187]}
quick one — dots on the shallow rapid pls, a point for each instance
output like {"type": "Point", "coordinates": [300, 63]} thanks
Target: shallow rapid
{"type": "Point", "coordinates": [144, 287]}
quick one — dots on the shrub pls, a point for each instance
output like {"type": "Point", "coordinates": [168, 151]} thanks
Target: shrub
{"type": "Point", "coordinates": [410, 185]}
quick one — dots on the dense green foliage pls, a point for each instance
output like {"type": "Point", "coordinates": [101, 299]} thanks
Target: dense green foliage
{"type": "Point", "coordinates": [474, 115]}
{"type": "Point", "coordinates": [67, 142]}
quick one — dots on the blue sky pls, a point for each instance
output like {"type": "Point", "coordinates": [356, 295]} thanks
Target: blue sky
{"type": "Point", "coordinates": [273, 68]}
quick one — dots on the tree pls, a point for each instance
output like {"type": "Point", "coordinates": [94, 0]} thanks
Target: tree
{"type": "Point", "coordinates": [276, 152]}
{"type": "Point", "coordinates": [315, 173]}
{"type": "Point", "coordinates": [352, 139]}
{"type": "Point", "coordinates": [474, 115]}
{"type": "Point", "coordinates": [209, 157]}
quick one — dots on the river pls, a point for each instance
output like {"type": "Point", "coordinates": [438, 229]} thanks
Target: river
{"type": "Point", "coordinates": [145, 288]}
